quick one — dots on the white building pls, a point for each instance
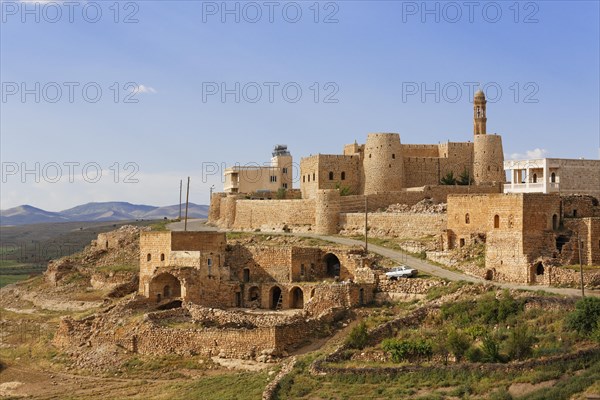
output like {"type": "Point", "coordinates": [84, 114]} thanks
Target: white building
{"type": "Point", "coordinates": [553, 175]}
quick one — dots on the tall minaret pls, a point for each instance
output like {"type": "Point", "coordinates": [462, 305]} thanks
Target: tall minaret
{"type": "Point", "coordinates": [479, 118]}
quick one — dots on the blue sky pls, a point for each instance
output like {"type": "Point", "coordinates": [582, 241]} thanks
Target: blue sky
{"type": "Point", "coordinates": [372, 59]}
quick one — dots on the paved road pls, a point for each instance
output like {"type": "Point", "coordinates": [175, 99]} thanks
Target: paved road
{"type": "Point", "coordinates": [421, 265]}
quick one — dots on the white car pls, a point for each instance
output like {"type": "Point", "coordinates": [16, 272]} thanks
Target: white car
{"type": "Point", "coordinates": [401, 272]}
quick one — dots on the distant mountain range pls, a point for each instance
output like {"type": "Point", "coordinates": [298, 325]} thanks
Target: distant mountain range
{"type": "Point", "coordinates": [106, 211]}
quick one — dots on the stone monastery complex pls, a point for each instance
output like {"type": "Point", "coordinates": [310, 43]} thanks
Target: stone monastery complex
{"type": "Point", "coordinates": [529, 225]}
{"type": "Point", "coordinates": [260, 297]}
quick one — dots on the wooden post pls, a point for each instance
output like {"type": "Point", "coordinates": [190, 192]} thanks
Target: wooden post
{"type": "Point", "coordinates": [580, 265]}
{"type": "Point", "coordinates": [187, 201]}
{"type": "Point", "coordinates": [366, 224]}
{"type": "Point", "coordinates": [180, 190]}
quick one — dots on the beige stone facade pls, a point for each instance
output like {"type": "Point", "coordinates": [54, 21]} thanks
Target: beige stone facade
{"type": "Point", "coordinates": [200, 267]}
{"type": "Point", "coordinates": [256, 178]}
{"type": "Point", "coordinates": [526, 233]}
{"type": "Point", "coordinates": [383, 164]}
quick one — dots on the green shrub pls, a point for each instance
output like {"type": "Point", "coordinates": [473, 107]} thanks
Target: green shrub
{"type": "Point", "coordinates": [357, 339]}
{"type": "Point", "coordinates": [458, 343]}
{"type": "Point", "coordinates": [474, 354]}
{"type": "Point", "coordinates": [406, 350]}
{"type": "Point", "coordinates": [501, 394]}
{"type": "Point", "coordinates": [586, 317]}
{"type": "Point", "coordinates": [520, 343]}
{"type": "Point", "coordinates": [491, 350]}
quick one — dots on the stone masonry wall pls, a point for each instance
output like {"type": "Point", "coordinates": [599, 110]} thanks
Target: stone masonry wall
{"type": "Point", "coordinates": [273, 215]}
{"type": "Point", "coordinates": [401, 225]}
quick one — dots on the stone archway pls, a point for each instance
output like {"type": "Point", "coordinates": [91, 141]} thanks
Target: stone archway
{"type": "Point", "coordinates": [164, 286]}
{"type": "Point", "coordinates": [296, 298]}
{"type": "Point", "coordinates": [333, 265]}
{"type": "Point", "coordinates": [274, 296]}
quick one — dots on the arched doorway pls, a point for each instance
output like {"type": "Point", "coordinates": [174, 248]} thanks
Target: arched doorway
{"type": "Point", "coordinates": [165, 286]}
{"type": "Point", "coordinates": [555, 222]}
{"type": "Point", "coordinates": [489, 275]}
{"type": "Point", "coordinates": [333, 265]}
{"type": "Point", "coordinates": [361, 296]}
{"type": "Point", "coordinates": [274, 297]}
{"type": "Point", "coordinates": [539, 269]}
{"type": "Point", "coordinates": [296, 298]}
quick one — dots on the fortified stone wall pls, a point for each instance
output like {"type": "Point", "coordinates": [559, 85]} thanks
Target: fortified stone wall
{"type": "Point", "coordinates": [271, 215]}
{"type": "Point", "coordinates": [401, 225]}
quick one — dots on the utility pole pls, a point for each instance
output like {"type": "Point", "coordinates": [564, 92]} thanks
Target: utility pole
{"type": "Point", "coordinates": [366, 224]}
{"type": "Point", "coordinates": [580, 265]}
{"type": "Point", "coordinates": [180, 189]}
{"type": "Point", "coordinates": [187, 201]}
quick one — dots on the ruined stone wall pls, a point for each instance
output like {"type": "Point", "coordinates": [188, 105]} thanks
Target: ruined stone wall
{"type": "Point", "coordinates": [272, 215]}
{"type": "Point", "coordinates": [264, 264]}
{"type": "Point", "coordinates": [580, 206]}
{"type": "Point", "coordinates": [589, 234]}
{"type": "Point", "coordinates": [401, 225]}
{"type": "Point", "coordinates": [198, 241]}
{"type": "Point", "coordinates": [559, 276]}
{"type": "Point", "coordinates": [214, 210]}
{"type": "Point", "coordinates": [328, 297]}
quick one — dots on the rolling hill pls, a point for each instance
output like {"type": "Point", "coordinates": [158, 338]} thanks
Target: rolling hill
{"type": "Point", "coordinates": [99, 212]}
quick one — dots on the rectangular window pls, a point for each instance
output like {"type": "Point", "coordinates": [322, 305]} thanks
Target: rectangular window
{"type": "Point", "coordinates": [273, 178]}
{"type": "Point", "coordinates": [285, 185]}
{"type": "Point", "coordinates": [285, 170]}
{"type": "Point", "coordinates": [209, 262]}
{"type": "Point", "coordinates": [302, 269]}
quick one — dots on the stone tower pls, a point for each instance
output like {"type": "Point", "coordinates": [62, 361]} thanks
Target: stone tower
{"type": "Point", "coordinates": [479, 113]}
{"type": "Point", "coordinates": [282, 161]}
{"type": "Point", "coordinates": [383, 164]}
{"type": "Point", "coordinates": [327, 211]}
{"type": "Point", "coordinates": [488, 160]}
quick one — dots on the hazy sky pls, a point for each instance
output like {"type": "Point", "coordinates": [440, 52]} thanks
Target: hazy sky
{"type": "Point", "coordinates": [219, 83]}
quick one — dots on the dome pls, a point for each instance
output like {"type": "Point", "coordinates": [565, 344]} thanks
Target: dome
{"type": "Point", "coordinates": [479, 94]}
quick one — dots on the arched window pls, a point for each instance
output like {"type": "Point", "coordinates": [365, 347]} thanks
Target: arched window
{"type": "Point", "coordinates": [330, 175]}
{"type": "Point", "coordinates": [304, 178]}
{"type": "Point", "coordinates": [149, 257]}
{"type": "Point", "coordinates": [553, 178]}
{"type": "Point", "coordinates": [467, 218]}
{"type": "Point", "coordinates": [162, 256]}
{"type": "Point", "coordinates": [496, 221]}
{"type": "Point", "coordinates": [393, 156]}
{"type": "Point", "coordinates": [534, 178]}
{"type": "Point", "coordinates": [343, 176]}
{"type": "Point", "coordinates": [555, 222]}
{"type": "Point", "coordinates": [309, 177]}
{"type": "Point", "coordinates": [313, 176]}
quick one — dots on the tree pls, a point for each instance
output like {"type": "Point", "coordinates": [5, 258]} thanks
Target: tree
{"type": "Point", "coordinates": [357, 339]}
{"type": "Point", "coordinates": [491, 350]}
{"type": "Point", "coordinates": [586, 317]}
{"type": "Point", "coordinates": [449, 179]}
{"type": "Point", "coordinates": [465, 178]}
{"type": "Point", "coordinates": [458, 343]}
{"type": "Point", "coordinates": [520, 343]}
